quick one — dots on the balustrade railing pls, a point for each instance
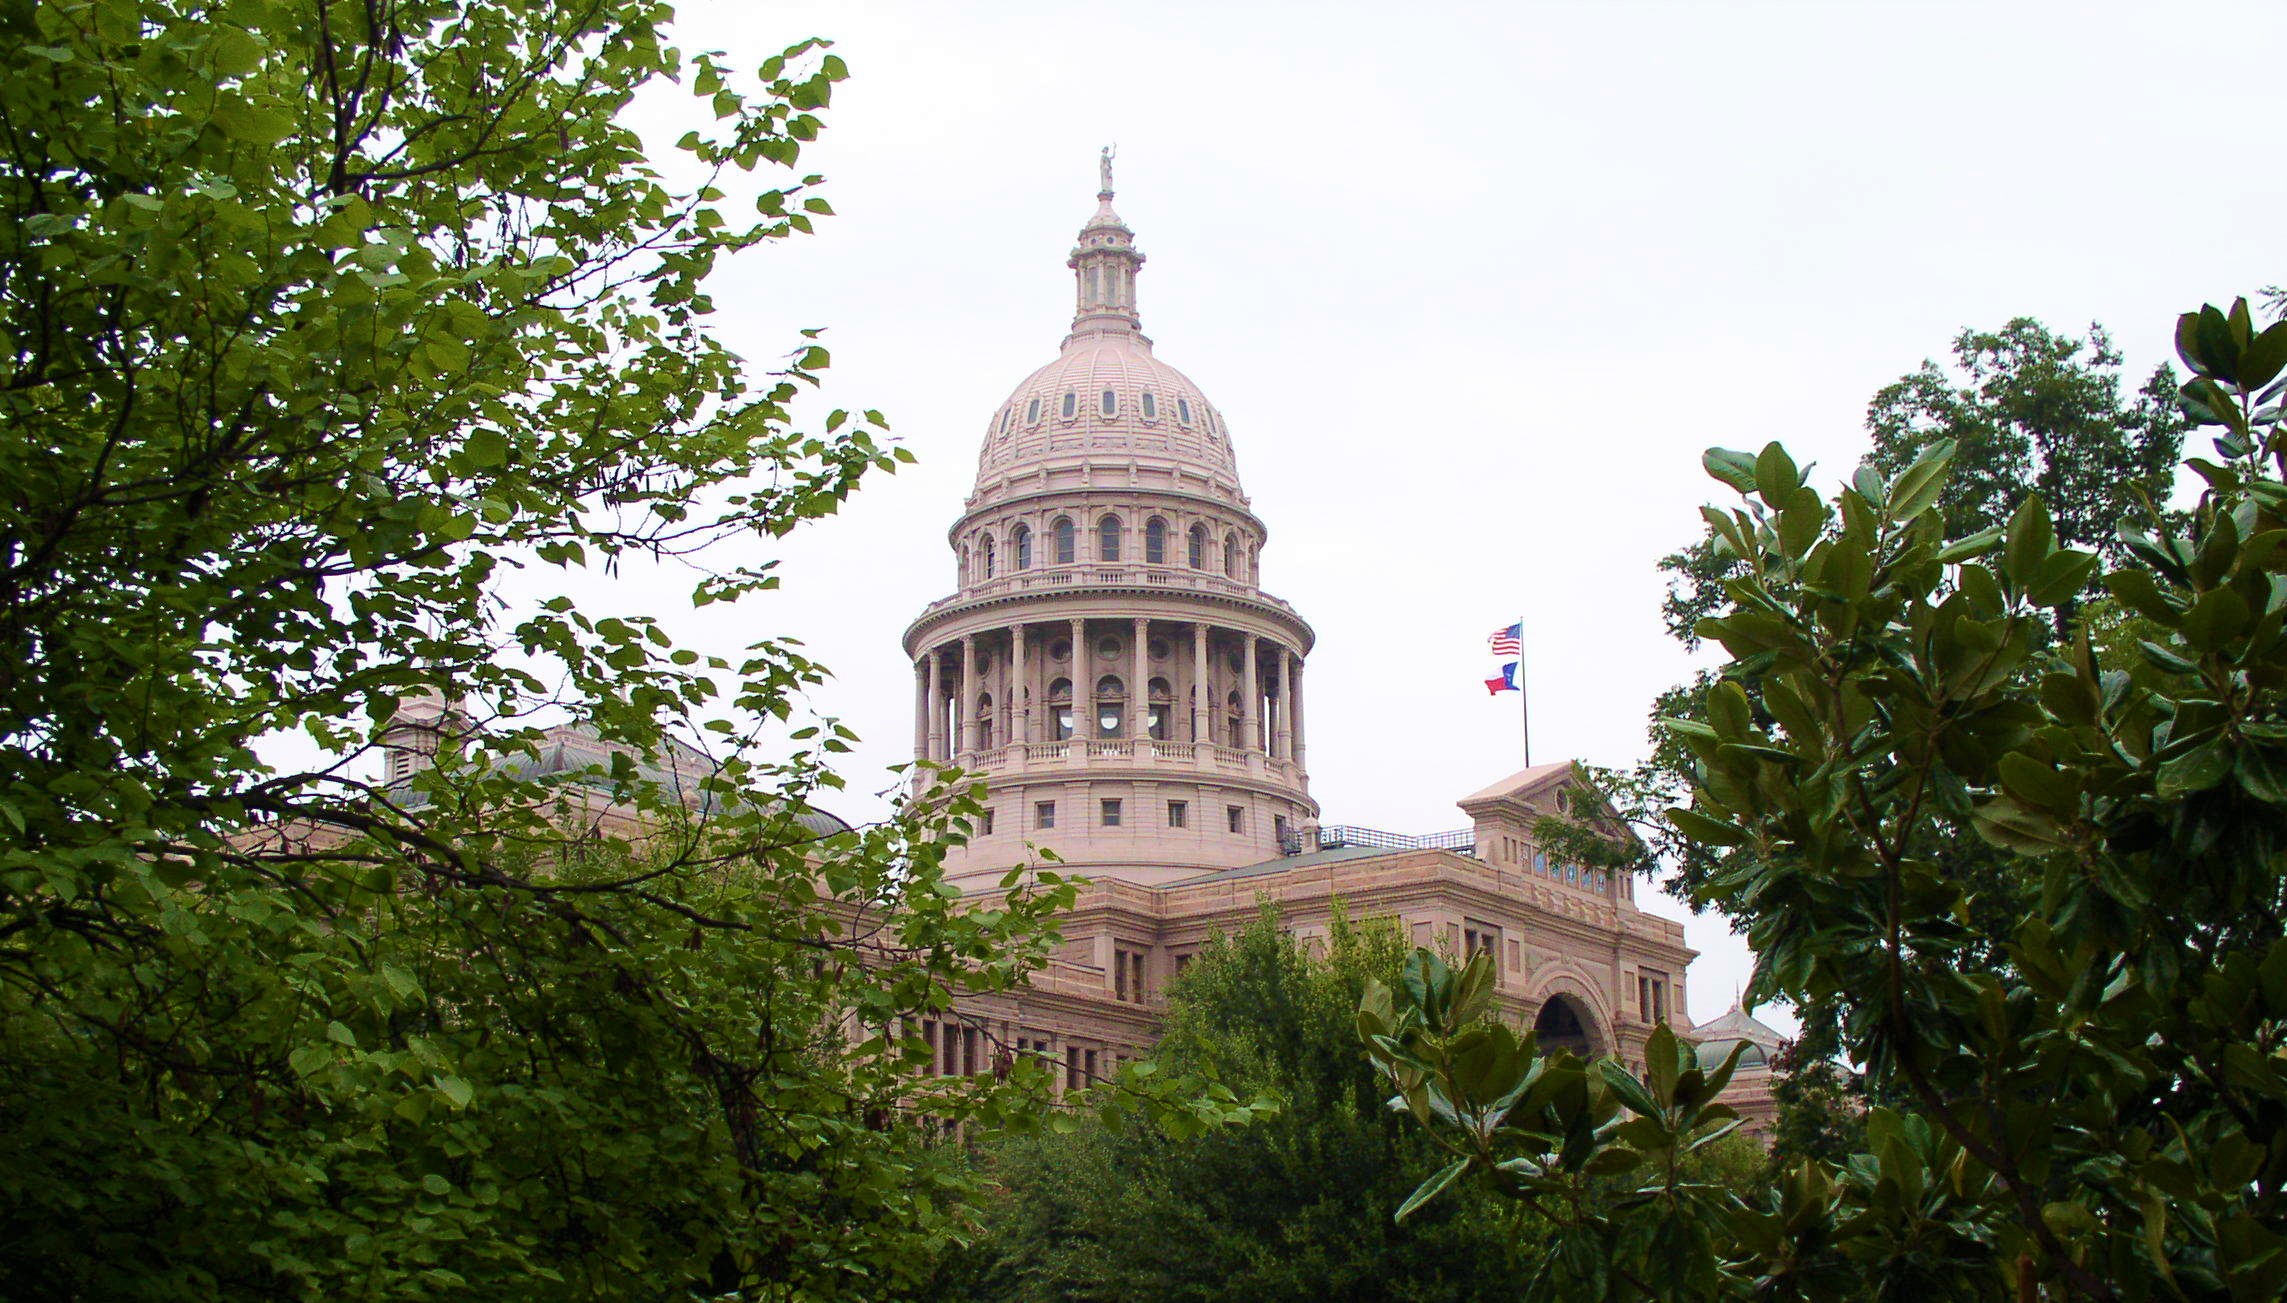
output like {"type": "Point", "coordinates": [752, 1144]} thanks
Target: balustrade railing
{"type": "Point", "coordinates": [1190, 755]}
{"type": "Point", "coordinates": [1179, 578]}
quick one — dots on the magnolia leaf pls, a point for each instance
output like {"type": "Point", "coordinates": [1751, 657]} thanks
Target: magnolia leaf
{"type": "Point", "coordinates": [1431, 1188]}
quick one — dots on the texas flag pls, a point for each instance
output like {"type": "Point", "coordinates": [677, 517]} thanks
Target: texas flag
{"type": "Point", "coordinates": [1507, 682]}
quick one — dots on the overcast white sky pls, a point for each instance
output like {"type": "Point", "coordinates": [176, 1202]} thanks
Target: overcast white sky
{"type": "Point", "coordinates": [1474, 285]}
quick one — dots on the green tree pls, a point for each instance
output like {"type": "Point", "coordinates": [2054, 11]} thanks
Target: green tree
{"type": "Point", "coordinates": [2026, 411]}
{"type": "Point", "coordinates": [317, 324]}
{"type": "Point", "coordinates": [2104, 1117]}
{"type": "Point", "coordinates": [1295, 1207]}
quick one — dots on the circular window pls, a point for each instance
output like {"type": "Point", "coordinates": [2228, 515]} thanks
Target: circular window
{"type": "Point", "coordinates": [1159, 649]}
{"type": "Point", "coordinates": [1060, 650]}
{"type": "Point", "coordinates": [1238, 662]}
{"type": "Point", "coordinates": [984, 659]}
{"type": "Point", "coordinates": [1109, 647]}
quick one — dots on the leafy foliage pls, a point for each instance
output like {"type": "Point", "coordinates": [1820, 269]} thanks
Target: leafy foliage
{"type": "Point", "coordinates": [318, 326]}
{"type": "Point", "coordinates": [2041, 414]}
{"type": "Point", "coordinates": [2101, 1118]}
{"type": "Point", "coordinates": [1296, 1206]}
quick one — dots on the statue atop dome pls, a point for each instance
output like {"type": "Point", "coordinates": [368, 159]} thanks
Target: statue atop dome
{"type": "Point", "coordinates": [1104, 172]}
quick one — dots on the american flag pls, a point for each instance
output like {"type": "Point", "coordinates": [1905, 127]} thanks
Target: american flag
{"type": "Point", "coordinates": [1509, 641]}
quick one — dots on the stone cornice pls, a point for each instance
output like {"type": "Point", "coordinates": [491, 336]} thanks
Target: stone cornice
{"type": "Point", "coordinates": [945, 610]}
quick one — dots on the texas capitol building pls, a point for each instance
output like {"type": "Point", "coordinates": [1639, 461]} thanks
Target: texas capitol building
{"type": "Point", "coordinates": [1113, 669]}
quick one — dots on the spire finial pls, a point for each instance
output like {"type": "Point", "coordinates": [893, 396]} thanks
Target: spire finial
{"type": "Point", "coordinates": [1104, 171]}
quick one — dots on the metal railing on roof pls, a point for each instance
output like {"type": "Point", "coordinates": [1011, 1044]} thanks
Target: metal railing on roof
{"type": "Point", "coordinates": [1339, 835]}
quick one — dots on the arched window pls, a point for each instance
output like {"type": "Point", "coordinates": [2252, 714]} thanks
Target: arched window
{"type": "Point", "coordinates": [1060, 708]}
{"type": "Point", "coordinates": [1150, 407]}
{"type": "Point", "coordinates": [1199, 547]}
{"type": "Point", "coordinates": [966, 573]}
{"type": "Point", "coordinates": [985, 722]}
{"type": "Point", "coordinates": [1111, 403]}
{"type": "Point", "coordinates": [1161, 697]}
{"type": "Point", "coordinates": [1032, 412]}
{"type": "Point", "coordinates": [1232, 735]}
{"type": "Point", "coordinates": [1071, 405]}
{"type": "Point", "coordinates": [1066, 545]}
{"type": "Point", "coordinates": [1254, 563]}
{"type": "Point", "coordinates": [1111, 705]}
{"type": "Point", "coordinates": [1231, 556]}
{"type": "Point", "coordinates": [1183, 409]}
{"type": "Point", "coordinates": [1021, 544]}
{"type": "Point", "coordinates": [989, 558]}
{"type": "Point", "coordinates": [1155, 542]}
{"type": "Point", "coordinates": [1108, 539]}
{"type": "Point", "coordinates": [1007, 416]}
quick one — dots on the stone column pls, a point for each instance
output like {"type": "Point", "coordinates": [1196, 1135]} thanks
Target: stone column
{"type": "Point", "coordinates": [1020, 688]}
{"type": "Point", "coordinates": [1199, 703]}
{"type": "Point", "coordinates": [1007, 694]}
{"type": "Point", "coordinates": [1139, 691]}
{"type": "Point", "coordinates": [936, 703]}
{"type": "Point", "coordinates": [1299, 752]}
{"type": "Point", "coordinates": [1251, 699]}
{"type": "Point", "coordinates": [1083, 684]}
{"type": "Point", "coordinates": [1282, 745]}
{"type": "Point", "coordinates": [967, 714]}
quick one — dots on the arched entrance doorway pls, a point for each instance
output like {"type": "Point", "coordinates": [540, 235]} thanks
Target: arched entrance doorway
{"type": "Point", "coordinates": [1565, 1024]}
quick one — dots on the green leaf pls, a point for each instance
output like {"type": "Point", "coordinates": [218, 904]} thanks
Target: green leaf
{"type": "Point", "coordinates": [1776, 478]}
{"type": "Point", "coordinates": [2163, 658]}
{"type": "Point", "coordinates": [2013, 826]}
{"type": "Point", "coordinates": [2031, 539]}
{"type": "Point", "coordinates": [2215, 619]}
{"type": "Point", "coordinates": [2061, 577]}
{"type": "Point", "coordinates": [1736, 469]}
{"type": "Point", "coordinates": [485, 449]}
{"type": "Point", "coordinates": [2196, 770]}
{"type": "Point", "coordinates": [1700, 828]}
{"type": "Point", "coordinates": [1431, 1188]}
{"type": "Point", "coordinates": [254, 125]}
{"type": "Point", "coordinates": [2140, 592]}
{"type": "Point", "coordinates": [1916, 489]}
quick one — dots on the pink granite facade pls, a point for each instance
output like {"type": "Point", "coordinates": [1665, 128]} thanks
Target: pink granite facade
{"type": "Point", "coordinates": [1111, 665]}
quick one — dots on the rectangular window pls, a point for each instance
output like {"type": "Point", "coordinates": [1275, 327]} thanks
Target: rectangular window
{"type": "Point", "coordinates": [1182, 962]}
{"type": "Point", "coordinates": [1128, 975]}
{"type": "Point", "coordinates": [1652, 996]}
{"type": "Point", "coordinates": [1150, 407]}
{"type": "Point", "coordinates": [1482, 939]}
{"type": "Point", "coordinates": [985, 824]}
{"type": "Point", "coordinates": [1044, 814]}
{"type": "Point", "coordinates": [1238, 817]}
{"type": "Point", "coordinates": [1279, 830]}
{"type": "Point", "coordinates": [1111, 813]}
{"type": "Point", "coordinates": [1177, 812]}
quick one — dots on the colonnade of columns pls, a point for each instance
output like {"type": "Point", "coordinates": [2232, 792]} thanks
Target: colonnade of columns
{"type": "Point", "coordinates": [990, 689]}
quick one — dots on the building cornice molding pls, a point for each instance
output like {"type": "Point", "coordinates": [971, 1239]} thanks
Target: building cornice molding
{"type": "Point", "coordinates": [1056, 606]}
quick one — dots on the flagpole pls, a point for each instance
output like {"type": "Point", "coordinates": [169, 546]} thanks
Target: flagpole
{"type": "Point", "coordinates": [1524, 696]}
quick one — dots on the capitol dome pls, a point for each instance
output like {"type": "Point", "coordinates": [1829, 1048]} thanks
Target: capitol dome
{"type": "Point", "coordinates": [1106, 399]}
{"type": "Point", "coordinates": [1108, 659]}
{"type": "Point", "coordinates": [1107, 393]}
